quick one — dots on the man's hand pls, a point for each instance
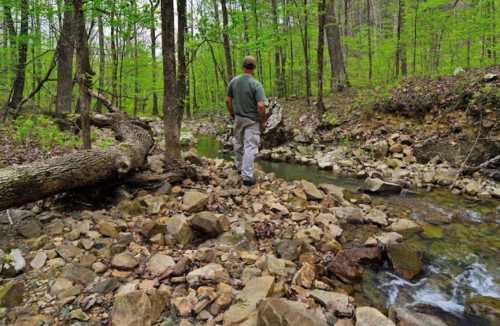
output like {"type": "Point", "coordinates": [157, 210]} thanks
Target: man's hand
{"type": "Point", "coordinates": [261, 108]}
{"type": "Point", "coordinates": [229, 106]}
{"type": "Point", "coordinates": [262, 125]}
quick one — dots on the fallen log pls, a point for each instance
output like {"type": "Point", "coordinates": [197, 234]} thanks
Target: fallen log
{"type": "Point", "coordinates": [26, 183]}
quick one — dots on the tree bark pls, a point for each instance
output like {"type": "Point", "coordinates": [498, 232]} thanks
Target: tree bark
{"type": "Point", "coordinates": [305, 43]}
{"type": "Point", "coordinates": [26, 183]}
{"type": "Point", "coordinates": [84, 72]}
{"type": "Point", "coordinates": [227, 44]}
{"type": "Point", "coordinates": [171, 126]}
{"type": "Point", "coordinates": [65, 51]}
{"type": "Point", "coordinates": [369, 23]}
{"type": "Point", "coordinates": [321, 42]}
{"type": "Point", "coordinates": [19, 79]}
{"type": "Point", "coordinates": [182, 68]}
{"type": "Point", "coordinates": [337, 65]}
{"type": "Point", "coordinates": [102, 60]}
{"type": "Point", "coordinates": [154, 5]}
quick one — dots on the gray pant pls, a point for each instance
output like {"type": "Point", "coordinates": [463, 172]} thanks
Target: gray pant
{"type": "Point", "coordinates": [246, 140]}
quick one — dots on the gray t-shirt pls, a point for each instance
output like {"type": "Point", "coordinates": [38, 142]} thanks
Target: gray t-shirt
{"type": "Point", "coordinates": [246, 91]}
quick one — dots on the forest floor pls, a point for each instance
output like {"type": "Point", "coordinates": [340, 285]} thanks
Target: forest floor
{"type": "Point", "coordinates": [209, 251]}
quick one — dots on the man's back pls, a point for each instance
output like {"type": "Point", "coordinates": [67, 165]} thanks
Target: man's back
{"type": "Point", "coordinates": [245, 92]}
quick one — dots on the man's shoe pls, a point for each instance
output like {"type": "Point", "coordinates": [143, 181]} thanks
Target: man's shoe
{"type": "Point", "coordinates": [249, 182]}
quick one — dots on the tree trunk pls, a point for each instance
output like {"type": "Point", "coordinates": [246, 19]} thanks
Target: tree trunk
{"type": "Point", "coordinates": [400, 58]}
{"type": "Point", "coordinates": [65, 51]}
{"type": "Point", "coordinates": [114, 57]}
{"type": "Point", "coordinates": [182, 69]}
{"type": "Point", "coordinates": [305, 43]}
{"type": "Point", "coordinates": [321, 42]}
{"type": "Point", "coordinates": [19, 79]}
{"type": "Point", "coordinates": [369, 23]}
{"type": "Point", "coordinates": [278, 52]}
{"type": "Point", "coordinates": [102, 61]}
{"type": "Point", "coordinates": [171, 126]}
{"type": "Point", "coordinates": [154, 6]}
{"type": "Point", "coordinates": [338, 76]}
{"type": "Point", "coordinates": [34, 181]}
{"type": "Point", "coordinates": [227, 44]}
{"type": "Point", "coordinates": [414, 61]}
{"type": "Point", "coordinates": [84, 72]}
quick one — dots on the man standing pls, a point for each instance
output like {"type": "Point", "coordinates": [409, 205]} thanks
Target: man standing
{"type": "Point", "coordinates": [245, 102]}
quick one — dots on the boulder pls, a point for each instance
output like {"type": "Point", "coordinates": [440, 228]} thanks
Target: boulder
{"type": "Point", "coordinates": [340, 304]}
{"type": "Point", "coordinates": [288, 249]}
{"type": "Point", "coordinates": [311, 191]}
{"type": "Point", "coordinates": [376, 216]}
{"type": "Point", "coordinates": [246, 301]}
{"type": "Point", "coordinates": [346, 264]}
{"type": "Point", "coordinates": [78, 274]}
{"type": "Point", "coordinates": [385, 239]}
{"type": "Point", "coordinates": [125, 261]}
{"type": "Point", "coordinates": [305, 276]}
{"type": "Point", "coordinates": [159, 263]}
{"type": "Point", "coordinates": [378, 186]}
{"type": "Point", "coordinates": [349, 214]}
{"type": "Point", "coordinates": [138, 308]}
{"type": "Point", "coordinates": [30, 228]}
{"type": "Point", "coordinates": [368, 316]}
{"type": "Point", "coordinates": [194, 201]}
{"type": "Point", "coordinates": [484, 307]}
{"type": "Point", "coordinates": [406, 260]}
{"type": "Point", "coordinates": [279, 267]}
{"type": "Point", "coordinates": [179, 228]}
{"type": "Point", "coordinates": [282, 312]}
{"type": "Point", "coordinates": [11, 264]}
{"type": "Point", "coordinates": [210, 223]}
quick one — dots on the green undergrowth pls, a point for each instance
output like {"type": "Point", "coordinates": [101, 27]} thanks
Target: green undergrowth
{"type": "Point", "coordinates": [44, 131]}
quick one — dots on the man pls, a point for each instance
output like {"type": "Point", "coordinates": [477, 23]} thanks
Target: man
{"type": "Point", "coordinates": [245, 102]}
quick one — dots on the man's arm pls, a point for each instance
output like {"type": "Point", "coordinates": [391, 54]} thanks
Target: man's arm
{"type": "Point", "coordinates": [229, 106]}
{"type": "Point", "coordinates": [261, 107]}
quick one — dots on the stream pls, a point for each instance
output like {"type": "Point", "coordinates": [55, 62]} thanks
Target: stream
{"type": "Point", "coordinates": [461, 258]}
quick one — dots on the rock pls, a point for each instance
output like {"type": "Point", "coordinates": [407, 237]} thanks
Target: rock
{"type": "Point", "coordinates": [130, 207]}
{"type": "Point", "coordinates": [80, 274]}
{"type": "Point", "coordinates": [376, 216]}
{"type": "Point", "coordinates": [211, 272]}
{"type": "Point", "coordinates": [39, 260]}
{"type": "Point", "coordinates": [246, 301]}
{"type": "Point", "coordinates": [380, 149]}
{"type": "Point", "coordinates": [378, 186]}
{"type": "Point", "coordinates": [282, 312]}
{"type": "Point", "coordinates": [63, 288]}
{"type": "Point", "coordinates": [138, 308]}
{"type": "Point", "coordinates": [280, 267]}
{"type": "Point", "coordinates": [385, 239]}
{"type": "Point", "coordinates": [30, 228]}
{"type": "Point", "coordinates": [194, 201]}
{"type": "Point", "coordinates": [484, 307]}
{"type": "Point", "coordinates": [336, 192]}
{"type": "Point", "coordinates": [472, 188]}
{"type": "Point", "coordinates": [405, 317]}
{"type": "Point", "coordinates": [445, 176]}
{"type": "Point", "coordinates": [179, 228]}
{"type": "Point", "coordinates": [349, 214]}
{"type": "Point", "coordinates": [288, 249]}
{"type": "Point", "coordinates": [280, 209]}
{"type": "Point", "coordinates": [108, 229]}
{"type": "Point", "coordinates": [346, 264]}
{"type": "Point", "coordinates": [311, 191]}
{"type": "Point", "coordinates": [99, 267]}
{"type": "Point", "coordinates": [184, 305]}
{"type": "Point", "coordinates": [406, 260]}
{"type": "Point", "coordinates": [305, 276]}
{"type": "Point", "coordinates": [106, 285]}
{"type": "Point", "coordinates": [339, 303]}
{"type": "Point", "coordinates": [396, 148]}
{"type": "Point", "coordinates": [68, 252]}
{"type": "Point", "coordinates": [125, 261]}
{"type": "Point", "coordinates": [210, 223]}
{"type": "Point", "coordinates": [11, 294]}
{"type": "Point", "coordinates": [159, 263]}
{"type": "Point", "coordinates": [489, 77]}
{"type": "Point", "coordinates": [403, 224]}
{"type": "Point", "coordinates": [368, 316]}
{"type": "Point", "coordinates": [18, 260]}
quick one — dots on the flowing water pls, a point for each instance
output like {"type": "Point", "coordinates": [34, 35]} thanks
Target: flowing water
{"type": "Point", "coordinates": [461, 257]}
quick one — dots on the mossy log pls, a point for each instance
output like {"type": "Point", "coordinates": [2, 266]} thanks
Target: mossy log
{"type": "Point", "coordinates": [30, 182]}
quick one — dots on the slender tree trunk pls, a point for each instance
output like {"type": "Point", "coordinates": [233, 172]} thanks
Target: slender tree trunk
{"type": "Point", "coordinates": [154, 5]}
{"type": "Point", "coordinates": [278, 62]}
{"type": "Point", "coordinates": [182, 69]}
{"type": "Point", "coordinates": [338, 73]}
{"type": "Point", "coordinates": [227, 44]}
{"type": "Point", "coordinates": [114, 57]}
{"type": "Point", "coordinates": [19, 79]}
{"type": "Point", "coordinates": [306, 51]}
{"type": "Point", "coordinates": [400, 58]}
{"type": "Point", "coordinates": [12, 33]}
{"type": "Point", "coordinates": [369, 23]}
{"type": "Point", "coordinates": [102, 61]}
{"type": "Point", "coordinates": [321, 41]}
{"type": "Point", "coordinates": [415, 19]}
{"type": "Point", "coordinates": [84, 72]}
{"type": "Point", "coordinates": [65, 53]}
{"type": "Point", "coordinates": [171, 126]}
{"type": "Point", "coordinates": [136, 64]}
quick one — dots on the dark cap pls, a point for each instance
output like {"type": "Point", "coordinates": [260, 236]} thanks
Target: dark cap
{"type": "Point", "coordinates": [249, 62]}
